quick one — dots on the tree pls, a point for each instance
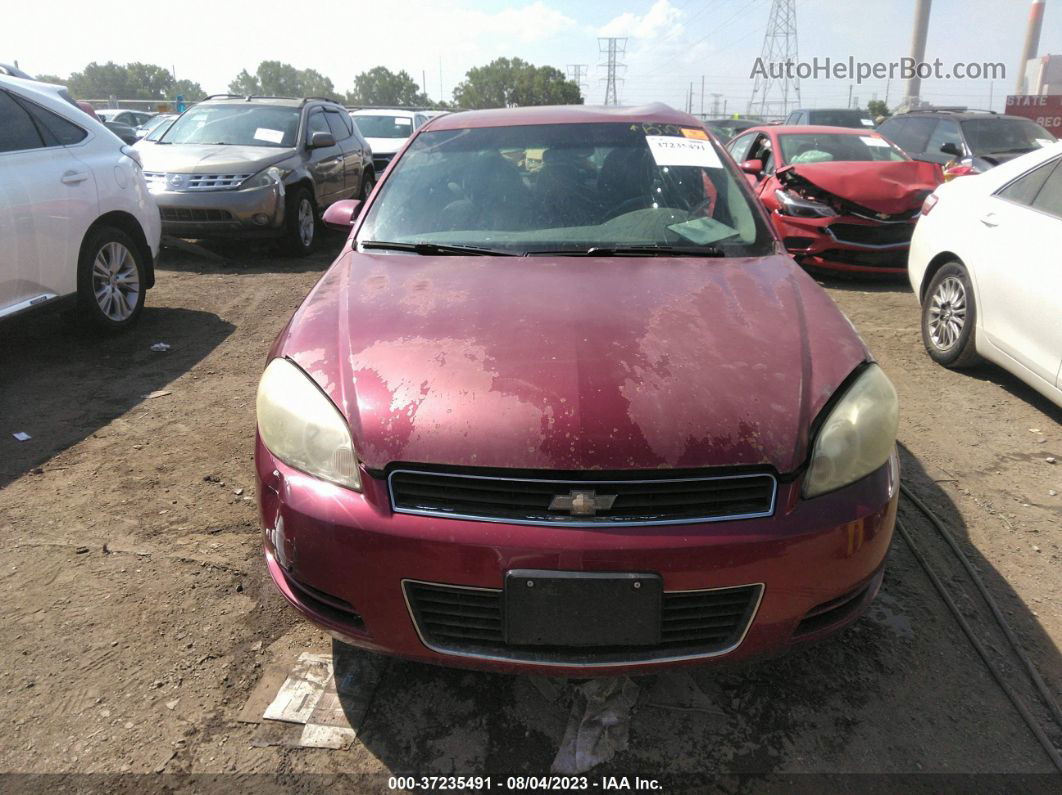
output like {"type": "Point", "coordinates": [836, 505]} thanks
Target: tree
{"type": "Point", "coordinates": [274, 78]}
{"type": "Point", "coordinates": [192, 92]}
{"type": "Point", "coordinates": [877, 107]}
{"type": "Point", "coordinates": [128, 81]}
{"type": "Point", "coordinates": [381, 86]}
{"type": "Point", "coordinates": [513, 82]}
{"type": "Point", "coordinates": [60, 81]}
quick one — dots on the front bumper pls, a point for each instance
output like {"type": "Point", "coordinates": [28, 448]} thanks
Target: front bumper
{"type": "Point", "coordinates": [828, 242]}
{"type": "Point", "coordinates": [253, 212]}
{"type": "Point", "coordinates": [345, 561]}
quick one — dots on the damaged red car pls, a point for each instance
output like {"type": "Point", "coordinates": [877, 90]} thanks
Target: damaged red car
{"type": "Point", "coordinates": [564, 404]}
{"type": "Point", "coordinates": [840, 199]}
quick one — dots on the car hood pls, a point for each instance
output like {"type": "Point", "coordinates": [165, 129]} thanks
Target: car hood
{"type": "Point", "coordinates": [891, 187]}
{"type": "Point", "coordinates": [386, 146]}
{"type": "Point", "coordinates": [574, 363]}
{"type": "Point", "coordinates": [210, 159]}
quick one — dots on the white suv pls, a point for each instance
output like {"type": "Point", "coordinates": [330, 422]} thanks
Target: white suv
{"type": "Point", "coordinates": [76, 218]}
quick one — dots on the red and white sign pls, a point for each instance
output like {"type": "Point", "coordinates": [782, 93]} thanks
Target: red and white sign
{"type": "Point", "coordinates": [1044, 109]}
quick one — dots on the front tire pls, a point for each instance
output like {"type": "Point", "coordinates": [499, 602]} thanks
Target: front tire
{"type": "Point", "coordinates": [300, 222]}
{"type": "Point", "coordinates": [368, 182]}
{"type": "Point", "coordinates": [110, 280]}
{"type": "Point", "coordinates": [949, 317]}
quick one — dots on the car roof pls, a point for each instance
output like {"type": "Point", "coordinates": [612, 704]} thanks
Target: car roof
{"type": "Point", "coordinates": [385, 112]}
{"type": "Point", "coordinates": [830, 110]}
{"type": "Point", "coordinates": [811, 129]}
{"type": "Point", "coordinates": [286, 102]}
{"type": "Point", "coordinates": [959, 115]}
{"type": "Point", "coordinates": [656, 113]}
{"type": "Point", "coordinates": [54, 97]}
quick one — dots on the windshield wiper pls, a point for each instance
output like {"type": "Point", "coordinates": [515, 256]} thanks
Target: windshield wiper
{"type": "Point", "coordinates": [438, 248]}
{"type": "Point", "coordinates": [638, 251]}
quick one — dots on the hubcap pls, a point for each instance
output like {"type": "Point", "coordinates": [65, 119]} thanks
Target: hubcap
{"type": "Point", "coordinates": [115, 281]}
{"type": "Point", "coordinates": [947, 313]}
{"type": "Point", "coordinates": [306, 222]}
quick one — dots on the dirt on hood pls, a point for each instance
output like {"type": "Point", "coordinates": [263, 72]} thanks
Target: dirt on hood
{"type": "Point", "coordinates": [885, 187]}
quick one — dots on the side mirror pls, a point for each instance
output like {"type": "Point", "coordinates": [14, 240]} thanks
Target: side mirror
{"type": "Point", "coordinates": [951, 149]}
{"type": "Point", "coordinates": [319, 140]}
{"type": "Point", "coordinates": [754, 167]}
{"type": "Point", "coordinates": [342, 214]}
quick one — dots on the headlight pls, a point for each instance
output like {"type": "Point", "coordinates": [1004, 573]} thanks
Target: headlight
{"type": "Point", "coordinates": [265, 178]}
{"type": "Point", "coordinates": [857, 437]}
{"type": "Point", "coordinates": [302, 427]}
{"type": "Point", "coordinates": [788, 204]}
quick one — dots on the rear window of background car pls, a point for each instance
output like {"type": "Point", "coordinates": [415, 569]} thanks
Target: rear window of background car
{"type": "Point", "coordinates": [1025, 188]}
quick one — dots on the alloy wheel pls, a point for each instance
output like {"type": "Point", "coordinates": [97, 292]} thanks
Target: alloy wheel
{"type": "Point", "coordinates": [115, 281]}
{"type": "Point", "coordinates": [947, 313]}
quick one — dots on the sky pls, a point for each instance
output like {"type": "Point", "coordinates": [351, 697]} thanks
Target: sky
{"type": "Point", "coordinates": [671, 44]}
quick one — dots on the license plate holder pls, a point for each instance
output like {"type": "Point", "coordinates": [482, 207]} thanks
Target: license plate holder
{"type": "Point", "coordinates": [576, 608]}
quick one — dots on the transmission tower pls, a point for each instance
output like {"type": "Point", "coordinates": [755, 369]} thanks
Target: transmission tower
{"type": "Point", "coordinates": [771, 96]}
{"type": "Point", "coordinates": [577, 73]}
{"type": "Point", "coordinates": [613, 48]}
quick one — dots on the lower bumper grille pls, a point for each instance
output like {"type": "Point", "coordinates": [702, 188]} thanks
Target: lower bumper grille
{"type": "Point", "coordinates": [895, 258]}
{"type": "Point", "coordinates": [470, 622]}
{"type": "Point", "coordinates": [184, 214]}
{"type": "Point", "coordinates": [873, 235]}
{"type": "Point", "coordinates": [633, 499]}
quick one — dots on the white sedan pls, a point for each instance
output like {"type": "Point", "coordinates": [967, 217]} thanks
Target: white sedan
{"type": "Point", "coordinates": [77, 222]}
{"type": "Point", "coordinates": [986, 264]}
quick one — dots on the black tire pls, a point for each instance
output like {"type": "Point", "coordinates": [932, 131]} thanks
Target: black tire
{"type": "Point", "coordinates": [300, 237]}
{"type": "Point", "coordinates": [949, 317]}
{"type": "Point", "coordinates": [110, 280]}
{"type": "Point", "coordinates": [368, 182]}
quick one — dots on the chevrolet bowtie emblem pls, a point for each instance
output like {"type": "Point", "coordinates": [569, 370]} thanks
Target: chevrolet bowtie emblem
{"type": "Point", "coordinates": [582, 502]}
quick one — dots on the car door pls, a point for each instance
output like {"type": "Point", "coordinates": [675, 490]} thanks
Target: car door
{"type": "Point", "coordinates": [47, 198]}
{"type": "Point", "coordinates": [352, 165]}
{"type": "Point", "coordinates": [326, 162]}
{"type": "Point", "coordinates": [1018, 272]}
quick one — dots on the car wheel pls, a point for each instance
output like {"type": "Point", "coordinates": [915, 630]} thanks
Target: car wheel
{"type": "Point", "coordinates": [949, 317]}
{"type": "Point", "coordinates": [368, 182]}
{"type": "Point", "coordinates": [110, 280]}
{"type": "Point", "coordinates": [301, 222]}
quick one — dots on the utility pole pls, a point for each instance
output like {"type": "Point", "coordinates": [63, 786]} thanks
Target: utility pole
{"type": "Point", "coordinates": [991, 92]}
{"type": "Point", "coordinates": [424, 81]}
{"type": "Point", "coordinates": [715, 105]}
{"type": "Point", "coordinates": [779, 47]}
{"type": "Point", "coordinates": [576, 72]}
{"type": "Point", "coordinates": [441, 94]}
{"type": "Point", "coordinates": [918, 51]}
{"type": "Point", "coordinates": [689, 102]}
{"type": "Point", "coordinates": [1032, 43]}
{"type": "Point", "coordinates": [612, 48]}
{"type": "Point", "coordinates": [702, 96]}
{"type": "Point", "coordinates": [849, 95]}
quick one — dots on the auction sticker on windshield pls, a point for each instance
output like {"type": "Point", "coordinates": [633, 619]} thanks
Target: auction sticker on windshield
{"type": "Point", "coordinates": [870, 140]}
{"type": "Point", "coordinates": [265, 134]}
{"type": "Point", "coordinates": [672, 151]}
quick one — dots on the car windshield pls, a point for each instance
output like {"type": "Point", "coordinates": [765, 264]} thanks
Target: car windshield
{"type": "Point", "coordinates": [568, 188]}
{"type": "Point", "coordinates": [384, 126]}
{"type": "Point", "coordinates": [840, 118]}
{"type": "Point", "coordinates": [239, 125]}
{"type": "Point", "coordinates": [826, 147]}
{"type": "Point", "coordinates": [1004, 135]}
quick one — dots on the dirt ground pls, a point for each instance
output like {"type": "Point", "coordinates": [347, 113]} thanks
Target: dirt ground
{"type": "Point", "coordinates": [138, 617]}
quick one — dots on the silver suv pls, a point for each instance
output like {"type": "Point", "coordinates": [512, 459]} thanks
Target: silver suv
{"type": "Point", "coordinates": [236, 166]}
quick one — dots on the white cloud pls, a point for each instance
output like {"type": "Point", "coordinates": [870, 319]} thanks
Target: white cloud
{"type": "Point", "coordinates": [661, 21]}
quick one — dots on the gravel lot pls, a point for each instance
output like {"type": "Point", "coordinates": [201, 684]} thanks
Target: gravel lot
{"type": "Point", "coordinates": [139, 618]}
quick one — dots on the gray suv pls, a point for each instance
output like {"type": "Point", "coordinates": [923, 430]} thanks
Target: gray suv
{"type": "Point", "coordinates": [236, 166]}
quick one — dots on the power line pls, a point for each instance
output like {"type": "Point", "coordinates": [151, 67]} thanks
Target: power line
{"type": "Point", "coordinates": [779, 47]}
{"type": "Point", "coordinates": [613, 47]}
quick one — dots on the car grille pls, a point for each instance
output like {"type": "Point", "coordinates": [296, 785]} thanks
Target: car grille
{"type": "Point", "coordinates": [470, 622]}
{"type": "Point", "coordinates": [193, 215]}
{"type": "Point", "coordinates": [639, 498]}
{"type": "Point", "coordinates": [884, 235]}
{"type": "Point", "coordinates": [158, 181]}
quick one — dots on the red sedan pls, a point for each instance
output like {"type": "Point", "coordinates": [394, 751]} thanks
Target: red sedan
{"type": "Point", "coordinates": [563, 404]}
{"type": "Point", "coordinates": [839, 198]}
